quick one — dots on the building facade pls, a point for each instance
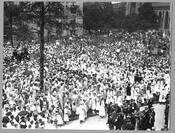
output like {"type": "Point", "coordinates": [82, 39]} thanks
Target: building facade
{"type": "Point", "coordinates": [162, 9]}
{"type": "Point", "coordinates": [163, 12]}
{"type": "Point", "coordinates": [119, 6]}
{"type": "Point", "coordinates": [73, 19]}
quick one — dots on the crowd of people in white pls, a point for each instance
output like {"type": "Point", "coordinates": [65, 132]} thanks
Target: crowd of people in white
{"type": "Point", "coordinates": [83, 75]}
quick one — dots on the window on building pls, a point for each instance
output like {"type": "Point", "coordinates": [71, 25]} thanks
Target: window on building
{"type": "Point", "coordinates": [133, 7]}
{"type": "Point", "coordinates": [166, 20]}
{"type": "Point", "coordinates": [73, 9]}
{"type": "Point", "coordinates": [160, 16]}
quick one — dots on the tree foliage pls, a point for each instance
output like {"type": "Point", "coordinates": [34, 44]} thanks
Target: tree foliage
{"type": "Point", "coordinates": [53, 12]}
{"type": "Point", "coordinates": [22, 20]}
{"type": "Point", "coordinates": [27, 18]}
{"type": "Point", "coordinates": [97, 16]}
{"type": "Point", "coordinates": [100, 15]}
{"type": "Point", "coordinates": [146, 19]}
{"type": "Point", "coordinates": [147, 13]}
{"type": "Point", "coordinates": [14, 27]}
{"type": "Point", "coordinates": [43, 15]}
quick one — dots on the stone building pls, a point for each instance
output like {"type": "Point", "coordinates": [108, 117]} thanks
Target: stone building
{"type": "Point", "coordinates": [73, 19]}
{"type": "Point", "coordinates": [162, 9]}
{"type": "Point", "coordinates": [119, 6]}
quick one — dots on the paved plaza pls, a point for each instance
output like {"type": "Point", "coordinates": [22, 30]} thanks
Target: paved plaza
{"type": "Point", "coordinates": [97, 123]}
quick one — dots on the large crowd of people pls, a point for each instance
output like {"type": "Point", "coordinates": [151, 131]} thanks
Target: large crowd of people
{"type": "Point", "coordinates": [111, 76]}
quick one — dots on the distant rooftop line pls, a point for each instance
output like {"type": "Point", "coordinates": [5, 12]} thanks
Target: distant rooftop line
{"type": "Point", "coordinates": [115, 2]}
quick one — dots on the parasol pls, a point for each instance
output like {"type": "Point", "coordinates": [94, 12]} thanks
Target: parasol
{"type": "Point", "coordinates": [8, 113]}
{"type": "Point", "coordinates": [23, 113]}
{"type": "Point", "coordinates": [5, 119]}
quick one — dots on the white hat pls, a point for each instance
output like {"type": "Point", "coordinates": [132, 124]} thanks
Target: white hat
{"type": "Point", "coordinates": [81, 102]}
{"type": "Point", "coordinates": [153, 128]}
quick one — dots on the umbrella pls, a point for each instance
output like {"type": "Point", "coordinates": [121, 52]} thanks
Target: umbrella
{"type": "Point", "coordinates": [17, 118]}
{"type": "Point", "coordinates": [23, 113]}
{"type": "Point", "coordinates": [30, 114]}
{"type": "Point", "coordinates": [8, 113]}
{"type": "Point", "coordinates": [28, 72]}
{"type": "Point", "coordinates": [5, 119]}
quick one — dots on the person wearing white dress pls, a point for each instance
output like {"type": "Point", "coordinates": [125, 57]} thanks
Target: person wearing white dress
{"type": "Point", "coordinates": [66, 114]}
{"type": "Point", "coordinates": [85, 103]}
{"type": "Point", "coordinates": [94, 103]}
{"type": "Point", "coordinates": [37, 105]}
{"type": "Point", "coordinates": [107, 99]}
{"type": "Point", "coordinates": [163, 93]}
{"type": "Point", "coordinates": [98, 105]}
{"type": "Point", "coordinates": [102, 112]}
{"type": "Point", "coordinates": [53, 116]}
{"type": "Point", "coordinates": [59, 117]}
{"type": "Point", "coordinates": [90, 102]}
{"type": "Point", "coordinates": [120, 100]}
{"type": "Point", "coordinates": [10, 125]}
{"type": "Point", "coordinates": [156, 87]}
{"type": "Point", "coordinates": [81, 113]}
{"type": "Point", "coordinates": [133, 91]}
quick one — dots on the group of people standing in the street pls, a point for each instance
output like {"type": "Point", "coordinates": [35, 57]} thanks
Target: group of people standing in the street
{"type": "Point", "coordinates": [108, 74]}
{"type": "Point", "coordinates": [130, 118]}
{"type": "Point", "coordinates": [167, 112]}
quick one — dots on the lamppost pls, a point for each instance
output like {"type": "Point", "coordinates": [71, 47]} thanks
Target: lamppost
{"type": "Point", "coordinates": [59, 28]}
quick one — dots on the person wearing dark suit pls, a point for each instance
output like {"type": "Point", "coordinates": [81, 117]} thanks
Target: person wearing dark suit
{"type": "Point", "coordinates": [141, 123]}
{"type": "Point", "coordinates": [124, 109]}
{"type": "Point", "coordinates": [146, 118]}
{"type": "Point", "coordinates": [129, 109]}
{"type": "Point", "coordinates": [150, 103]}
{"type": "Point", "coordinates": [118, 121]}
{"type": "Point", "coordinates": [117, 108]}
{"type": "Point", "coordinates": [111, 120]}
{"type": "Point", "coordinates": [133, 119]}
{"type": "Point", "coordinates": [127, 124]}
{"type": "Point", "coordinates": [128, 90]}
{"type": "Point", "coordinates": [133, 107]}
{"type": "Point", "coordinates": [152, 118]}
{"type": "Point", "coordinates": [109, 111]}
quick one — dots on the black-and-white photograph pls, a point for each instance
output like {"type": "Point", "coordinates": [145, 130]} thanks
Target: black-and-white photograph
{"type": "Point", "coordinates": [86, 65]}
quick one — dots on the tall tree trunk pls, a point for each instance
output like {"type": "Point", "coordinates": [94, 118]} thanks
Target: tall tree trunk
{"type": "Point", "coordinates": [11, 36]}
{"type": "Point", "coordinates": [42, 48]}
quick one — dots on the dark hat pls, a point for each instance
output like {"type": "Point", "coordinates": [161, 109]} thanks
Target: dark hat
{"type": "Point", "coordinates": [22, 117]}
{"type": "Point", "coordinates": [5, 119]}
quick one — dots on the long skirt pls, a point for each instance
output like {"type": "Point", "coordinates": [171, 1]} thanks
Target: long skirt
{"type": "Point", "coordinates": [120, 101]}
{"type": "Point", "coordinates": [66, 117]}
{"type": "Point", "coordinates": [98, 106]}
{"type": "Point", "coordinates": [59, 120]}
{"type": "Point", "coordinates": [107, 100]}
{"type": "Point", "coordinates": [94, 105]}
{"type": "Point", "coordinates": [77, 110]}
{"type": "Point", "coordinates": [38, 108]}
{"type": "Point", "coordinates": [102, 111]}
{"type": "Point", "coordinates": [86, 109]}
{"type": "Point", "coordinates": [82, 116]}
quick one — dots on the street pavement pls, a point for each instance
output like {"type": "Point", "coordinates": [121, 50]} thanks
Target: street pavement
{"type": "Point", "coordinates": [97, 123]}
